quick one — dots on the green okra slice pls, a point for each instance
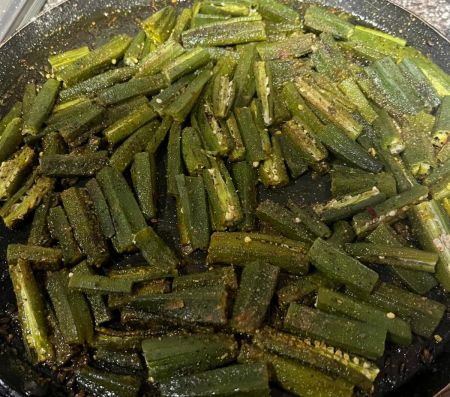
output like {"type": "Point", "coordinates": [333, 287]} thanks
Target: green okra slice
{"type": "Point", "coordinates": [186, 354]}
{"type": "Point", "coordinates": [13, 171]}
{"type": "Point", "coordinates": [71, 308]}
{"type": "Point", "coordinates": [309, 219]}
{"type": "Point", "coordinates": [337, 265]}
{"type": "Point", "coordinates": [44, 258]}
{"type": "Point", "coordinates": [29, 96]}
{"type": "Point", "coordinates": [338, 115]}
{"type": "Point", "coordinates": [39, 233]}
{"type": "Point", "coordinates": [83, 278]}
{"type": "Point", "coordinates": [159, 25]}
{"type": "Point", "coordinates": [438, 174]}
{"type": "Point", "coordinates": [14, 113]}
{"type": "Point", "coordinates": [355, 370]}
{"type": "Point", "coordinates": [228, 32]}
{"type": "Point", "coordinates": [155, 251]}
{"type": "Point", "coordinates": [125, 126]}
{"type": "Point", "coordinates": [99, 310]}
{"type": "Point", "coordinates": [191, 198]}
{"type": "Point", "coordinates": [60, 61]}
{"type": "Point", "coordinates": [94, 62]}
{"type": "Point", "coordinates": [349, 205]}
{"type": "Point", "coordinates": [312, 150]}
{"type": "Point", "coordinates": [186, 63]}
{"type": "Point", "coordinates": [264, 90]}
{"type": "Point", "coordinates": [347, 180]}
{"type": "Point", "coordinates": [354, 94]}
{"type": "Point", "coordinates": [295, 162]}
{"type": "Point", "coordinates": [25, 200]}
{"type": "Point", "coordinates": [342, 233]}
{"type": "Point", "coordinates": [419, 153]}
{"type": "Point", "coordinates": [133, 54]}
{"type": "Point", "coordinates": [431, 226]}
{"type": "Point", "coordinates": [207, 305]}
{"type": "Point", "coordinates": [181, 24]}
{"type": "Point", "coordinates": [123, 156]}
{"type": "Point", "coordinates": [116, 358]}
{"type": "Point", "coordinates": [125, 212]}
{"type": "Point", "coordinates": [231, 8]}
{"type": "Point", "coordinates": [53, 143]}
{"type": "Point", "coordinates": [252, 300]}
{"type": "Point", "coordinates": [419, 282]}
{"type": "Point", "coordinates": [217, 276]}
{"type": "Point", "coordinates": [104, 383]}
{"type": "Point", "coordinates": [322, 20]}
{"type": "Point", "coordinates": [42, 106]}
{"type": "Point", "coordinates": [423, 314]}
{"type": "Point", "coordinates": [238, 151]}
{"type": "Point", "coordinates": [293, 376]}
{"type": "Point", "coordinates": [63, 351]}
{"type": "Point", "coordinates": [85, 226]}
{"type": "Point", "coordinates": [244, 74]}
{"type": "Point", "coordinates": [437, 77]}
{"type": "Point", "coordinates": [67, 165]}
{"type": "Point", "coordinates": [98, 83]}
{"type": "Point", "coordinates": [249, 379]}
{"type": "Point", "coordinates": [11, 139]}
{"type": "Point", "coordinates": [163, 100]}
{"type": "Point", "coordinates": [143, 176]}
{"type": "Point", "coordinates": [441, 129]}
{"type": "Point", "coordinates": [398, 331]}
{"type": "Point", "coordinates": [31, 312]}
{"type": "Point", "coordinates": [180, 108]}
{"type": "Point", "coordinates": [139, 273]}
{"type": "Point", "coordinates": [343, 147]}
{"type": "Point", "coordinates": [272, 171]}
{"type": "Point", "coordinates": [222, 197]}
{"type": "Point", "coordinates": [383, 254]}
{"type": "Point", "coordinates": [258, 118]}
{"type": "Point", "coordinates": [154, 62]}
{"type": "Point", "coordinates": [250, 135]}
{"type": "Point", "coordinates": [100, 207]}
{"type": "Point", "coordinates": [304, 286]}
{"type": "Point", "coordinates": [147, 86]}
{"type": "Point", "coordinates": [389, 133]}
{"type": "Point", "coordinates": [293, 47]}
{"type": "Point", "coordinates": [388, 211]}
{"type": "Point", "coordinates": [159, 135]}
{"type": "Point", "coordinates": [117, 300]}
{"type": "Point", "coordinates": [223, 94]}
{"type": "Point", "coordinates": [61, 231]}
{"type": "Point", "coordinates": [106, 338]}
{"type": "Point", "coordinates": [284, 221]}
{"type": "Point", "coordinates": [245, 181]}
{"type": "Point", "coordinates": [174, 158]}
{"type": "Point", "coordinates": [353, 336]}
{"type": "Point", "coordinates": [274, 11]}
{"type": "Point", "coordinates": [420, 83]}
{"type": "Point", "coordinates": [240, 248]}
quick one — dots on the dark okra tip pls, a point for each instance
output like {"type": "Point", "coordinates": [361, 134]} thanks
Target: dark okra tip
{"type": "Point", "coordinates": [210, 113]}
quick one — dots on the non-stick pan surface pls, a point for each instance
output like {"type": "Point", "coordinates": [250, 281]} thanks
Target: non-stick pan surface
{"type": "Point", "coordinates": [92, 22]}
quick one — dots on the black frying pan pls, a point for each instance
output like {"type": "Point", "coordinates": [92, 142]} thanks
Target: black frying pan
{"type": "Point", "coordinates": [413, 371]}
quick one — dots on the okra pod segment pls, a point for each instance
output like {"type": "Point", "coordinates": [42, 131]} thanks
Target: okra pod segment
{"type": "Point", "coordinates": [11, 139]}
{"type": "Point", "coordinates": [353, 336]}
{"type": "Point", "coordinates": [100, 207]}
{"type": "Point", "coordinates": [158, 136]}
{"type": "Point", "coordinates": [31, 312]}
{"type": "Point", "coordinates": [85, 225]}
{"type": "Point", "coordinates": [67, 165]}
{"type": "Point", "coordinates": [240, 248]}
{"type": "Point", "coordinates": [342, 233]}
{"type": "Point", "coordinates": [134, 51]}
{"type": "Point", "coordinates": [244, 74]}
{"type": "Point", "coordinates": [143, 176]}
{"type": "Point", "coordinates": [252, 301]}
{"type": "Point", "coordinates": [320, 19]}
{"type": "Point", "coordinates": [39, 257]}
{"type": "Point", "coordinates": [398, 331]}
{"type": "Point", "coordinates": [388, 211]}
{"type": "Point", "coordinates": [294, 159]}
{"type": "Point", "coordinates": [284, 221]}
{"type": "Point", "coordinates": [272, 171]}
{"type": "Point", "coordinates": [264, 91]}
{"type": "Point", "coordinates": [245, 181]}
{"type": "Point", "coordinates": [441, 129]}
{"type": "Point", "coordinates": [309, 218]}
{"type": "Point", "coordinates": [186, 354]}
{"type": "Point", "coordinates": [95, 61]}
{"type": "Point", "coordinates": [59, 61]}
{"type": "Point", "coordinates": [39, 231]}
{"type": "Point", "coordinates": [159, 25]}
{"type": "Point", "coordinates": [186, 63]}
{"type": "Point", "coordinates": [354, 369]}
{"type": "Point", "coordinates": [223, 93]}
{"type": "Point", "coordinates": [249, 379]}
{"type": "Point", "coordinates": [174, 158]}
{"type": "Point", "coordinates": [337, 265]}
{"type": "Point", "coordinates": [250, 136]}
{"type": "Point", "coordinates": [238, 152]}
{"type": "Point", "coordinates": [14, 112]}
{"type": "Point", "coordinates": [219, 275]}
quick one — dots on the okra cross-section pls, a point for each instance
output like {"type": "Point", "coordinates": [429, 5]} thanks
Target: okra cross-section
{"type": "Point", "coordinates": [187, 354]}
{"type": "Point", "coordinates": [339, 266]}
{"type": "Point", "coordinates": [240, 248]}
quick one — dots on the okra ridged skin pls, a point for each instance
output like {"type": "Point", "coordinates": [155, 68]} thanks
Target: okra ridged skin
{"type": "Point", "coordinates": [11, 138]}
{"type": "Point", "coordinates": [240, 248]}
{"type": "Point", "coordinates": [14, 112]}
{"type": "Point", "coordinates": [100, 207]}
{"type": "Point", "coordinates": [293, 376]}
{"type": "Point", "coordinates": [220, 275]}
{"type": "Point", "coordinates": [251, 380]}
{"type": "Point", "coordinates": [322, 20]}
{"type": "Point", "coordinates": [186, 354]}
{"type": "Point", "coordinates": [66, 165]}
{"type": "Point", "coordinates": [354, 369]}
{"type": "Point", "coordinates": [143, 176]}
{"type": "Point", "coordinates": [337, 265]}
{"type": "Point", "coordinates": [44, 258]}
